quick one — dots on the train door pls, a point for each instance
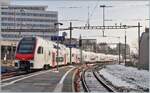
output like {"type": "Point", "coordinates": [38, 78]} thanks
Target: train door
{"type": "Point", "coordinates": [39, 58]}
{"type": "Point", "coordinates": [45, 56]}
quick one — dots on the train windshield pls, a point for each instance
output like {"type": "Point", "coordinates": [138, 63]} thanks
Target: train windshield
{"type": "Point", "coordinates": [26, 45]}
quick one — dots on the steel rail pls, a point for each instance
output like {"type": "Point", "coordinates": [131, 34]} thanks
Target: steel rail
{"type": "Point", "coordinates": [103, 82]}
{"type": "Point", "coordinates": [97, 76]}
{"type": "Point", "coordinates": [84, 84]}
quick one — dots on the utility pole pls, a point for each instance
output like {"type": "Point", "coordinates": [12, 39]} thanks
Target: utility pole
{"type": "Point", "coordinates": [125, 47]}
{"type": "Point", "coordinates": [88, 17]}
{"type": "Point", "coordinates": [70, 42]}
{"type": "Point", "coordinates": [12, 53]}
{"type": "Point", "coordinates": [57, 52]}
{"type": "Point", "coordinates": [139, 41]}
{"type": "Point", "coordinates": [80, 45]}
{"type": "Point", "coordinates": [119, 50]}
{"type": "Point", "coordinates": [104, 6]}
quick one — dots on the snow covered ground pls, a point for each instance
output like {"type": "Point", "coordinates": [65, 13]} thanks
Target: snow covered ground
{"type": "Point", "coordinates": [129, 77]}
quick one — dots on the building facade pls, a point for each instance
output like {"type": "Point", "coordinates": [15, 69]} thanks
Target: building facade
{"type": "Point", "coordinates": [74, 41]}
{"type": "Point", "coordinates": [89, 45]}
{"type": "Point", "coordinates": [4, 2]}
{"type": "Point", "coordinates": [19, 20]}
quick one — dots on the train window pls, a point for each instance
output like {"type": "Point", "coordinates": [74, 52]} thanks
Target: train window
{"type": "Point", "coordinates": [56, 47]}
{"type": "Point", "coordinates": [40, 50]}
{"type": "Point", "coordinates": [26, 45]}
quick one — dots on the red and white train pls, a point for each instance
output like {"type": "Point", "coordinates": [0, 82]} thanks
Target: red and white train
{"type": "Point", "coordinates": [38, 53]}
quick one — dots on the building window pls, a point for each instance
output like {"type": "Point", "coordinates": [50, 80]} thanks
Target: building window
{"type": "Point", "coordinates": [29, 14]}
{"type": "Point", "coordinates": [27, 19]}
{"type": "Point", "coordinates": [8, 24]}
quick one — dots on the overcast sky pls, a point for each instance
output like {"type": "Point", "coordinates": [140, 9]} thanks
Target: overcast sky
{"type": "Point", "coordinates": [127, 13]}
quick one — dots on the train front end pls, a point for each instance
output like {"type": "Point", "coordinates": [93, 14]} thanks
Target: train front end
{"type": "Point", "coordinates": [24, 58]}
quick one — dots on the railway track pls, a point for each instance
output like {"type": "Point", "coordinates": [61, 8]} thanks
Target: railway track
{"type": "Point", "coordinates": [92, 82]}
{"type": "Point", "coordinates": [16, 73]}
{"type": "Point", "coordinates": [46, 81]}
{"type": "Point", "coordinates": [8, 75]}
{"type": "Point", "coordinates": [19, 73]}
{"type": "Point", "coordinates": [103, 82]}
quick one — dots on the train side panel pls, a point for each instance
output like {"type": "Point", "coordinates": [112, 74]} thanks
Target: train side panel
{"type": "Point", "coordinates": [40, 54]}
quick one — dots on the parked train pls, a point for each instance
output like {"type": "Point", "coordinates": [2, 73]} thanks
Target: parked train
{"type": "Point", "coordinates": [38, 53]}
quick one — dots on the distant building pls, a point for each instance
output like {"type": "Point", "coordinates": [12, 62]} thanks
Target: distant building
{"type": "Point", "coordinates": [89, 45]}
{"type": "Point", "coordinates": [8, 49]}
{"type": "Point", "coordinates": [73, 41]}
{"type": "Point", "coordinates": [102, 48]}
{"type": "Point", "coordinates": [21, 20]}
{"type": "Point", "coordinates": [18, 21]}
{"type": "Point", "coordinates": [122, 50]}
{"type": "Point", "coordinates": [144, 50]}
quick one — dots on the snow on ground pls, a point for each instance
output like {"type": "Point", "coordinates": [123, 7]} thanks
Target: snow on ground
{"type": "Point", "coordinates": [130, 77]}
{"type": "Point", "coordinates": [115, 80]}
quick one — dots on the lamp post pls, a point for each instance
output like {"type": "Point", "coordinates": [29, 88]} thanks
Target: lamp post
{"type": "Point", "coordinates": [64, 34]}
{"type": "Point", "coordinates": [55, 24]}
{"type": "Point", "coordinates": [70, 42]}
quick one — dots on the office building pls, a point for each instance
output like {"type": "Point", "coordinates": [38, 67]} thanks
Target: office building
{"type": "Point", "coordinates": [22, 20]}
